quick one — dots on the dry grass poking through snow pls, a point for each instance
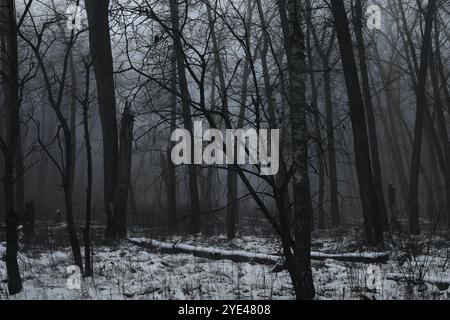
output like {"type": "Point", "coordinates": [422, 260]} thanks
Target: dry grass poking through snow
{"type": "Point", "coordinates": [130, 272]}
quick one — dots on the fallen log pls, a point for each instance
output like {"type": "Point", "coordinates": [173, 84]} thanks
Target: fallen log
{"type": "Point", "coordinates": [204, 252]}
{"type": "Point", "coordinates": [245, 256]}
{"type": "Point", "coordinates": [441, 283]}
{"type": "Point", "coordinates": [362, 257]}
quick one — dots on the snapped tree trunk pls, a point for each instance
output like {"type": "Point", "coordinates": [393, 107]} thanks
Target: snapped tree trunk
{"type": "Point", "coordinates": [124, 174]}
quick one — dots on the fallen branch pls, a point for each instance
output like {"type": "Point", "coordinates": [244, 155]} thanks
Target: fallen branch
{"type": "Point", "coordinates": [244, 256]}
{"type": "Point", "coordinates": [204, 252]}
{"type": "Point", "coordinates": [442, 283]}
{"type": "Point", "coordinates": [362, 257]}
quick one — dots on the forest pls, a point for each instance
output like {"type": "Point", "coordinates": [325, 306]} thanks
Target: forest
{"type": "Point", "coordinates": [224, 149]}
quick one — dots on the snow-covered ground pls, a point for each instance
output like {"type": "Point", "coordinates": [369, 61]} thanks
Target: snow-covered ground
{"type": "Point", "coordinates": [131, 272]}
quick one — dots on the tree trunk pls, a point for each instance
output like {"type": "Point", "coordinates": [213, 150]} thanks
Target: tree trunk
{"type": "Point", "coordinates": [28, 225]}
{"type": "Point", "coordinates": [318, 137]}
{"type": "Point", "coordinates": [124, 173]}
{"type": "Point", "coordinates": [10, 143]}
{"type": "Point", "coordinates": [298, 254]}
{"type": "Point", "coordinates": [88, 265]}
{"type": "Point", "coordinates": [66, 167]}
{"type": "Point", "coordinates": [73, 107]}
{"type": "Point", "coordinates": [2, 170]}
{"type": "Point", "coordinates": [324, 54]}
{"type": "Point", "coordinates": [441, 115]}
{"type": "Point", "coordinates": [367, 190]}
{"type": "Point", "coordinates": [187, 116]}
{"type": "Point", "coordinates": [373, 139]}
{"type": "Point", "coordinates": [68, 176]}
{"type": "Point", "coordinates": [390, 126]}
{"type": "Point", "coordinates": [442, 134]}
{"type": "Point", "coordinates": [232, 185]}
{"type": "Point", "coordinates": [268, 87]}
{"type": "Point", "coordinates": [334, 202]}
{"type": "Point", "coordinates": [413, 201]}
{"type": "Point", "coordinates": [171, 182]}
{"type": "Point", "coordinates": [19, 178]}
{"type": "Point", "coordinates": [100, 47]}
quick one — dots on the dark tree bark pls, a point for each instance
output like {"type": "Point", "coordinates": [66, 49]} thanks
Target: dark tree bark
{"type": "Point", "coordinates": [100, 46]}
{"type": "Point", "coordinates": [415, 71]}
{"type": "Point", "coordinates": [317, 131]}
{"type": "Point", "coordinates": [324, 54]}
{"type": "Point", "coordinates": [124, 173]}
{"type": "Point", "coordinates": [268, 86]}
{"type": "Point", "coordinates": [298, 254]}
{"type": "Point", "coordinates": [67, 183]}
{"type": "Point", "coordinates": [373, 139]}
{"type": "Point", "coordinates": [367, 189]}
{"type": "Point", "coordinates": [73, 107]}
{"type": "Point", "coordinates": [19, 177]}
{"type": "Point", "coordinates": [441, 116]}
{"type": "Point", "coordinates": [442, 137]}
{"type": "Point", "coordinates": [427, 125]}
{"type": "Point", "coordinates": [171, 182]}
{"type": "Point", "coordinates": [10, 143]}
{"type": "Point", "coordinates": [28, 225]}
{"type": "Point", "coordinates": [414, 225]}
{"type": "Point", "coordinates": [88, 265]}
{"type": "Point", "coordinates": [331, 150]}
{"type": "Point", "coordinates": [2, 170]}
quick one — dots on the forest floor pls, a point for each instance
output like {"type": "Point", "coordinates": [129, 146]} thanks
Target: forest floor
{"type": "Point", "coordinates": [131, 272]}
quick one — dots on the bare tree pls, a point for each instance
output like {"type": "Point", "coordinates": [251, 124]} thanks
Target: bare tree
{"type": "Point", "coordinates": [414, 225]}
{"type": "Point", "coordinates": [324, 54]}
{"type": "Point", "coordinates": [85, 102]}
{"type": "Point", "coordinates": [171, 170]}
{"type": "Point", "coordinates": [100, 46]}
{"type": "Point", "coordinates": [9, 68]}
{"type": "Point", "coordinates": [186, 110]}
{"type": "Point", "coordinates": [373, 138]}
{"type": "Point", "coordinates": [124, 173]}
{"type": "Point", "coordinates": [299, 262]}
{"type": "Point", "coordinates": [65, 167]}
{"type": "Point", "coordinates": [367, 190]}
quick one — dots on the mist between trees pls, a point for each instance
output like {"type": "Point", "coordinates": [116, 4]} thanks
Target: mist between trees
{"type": "Point", "coordinates": [219, 151]}
{"type": "Point", "coordinates": [87, 114]}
